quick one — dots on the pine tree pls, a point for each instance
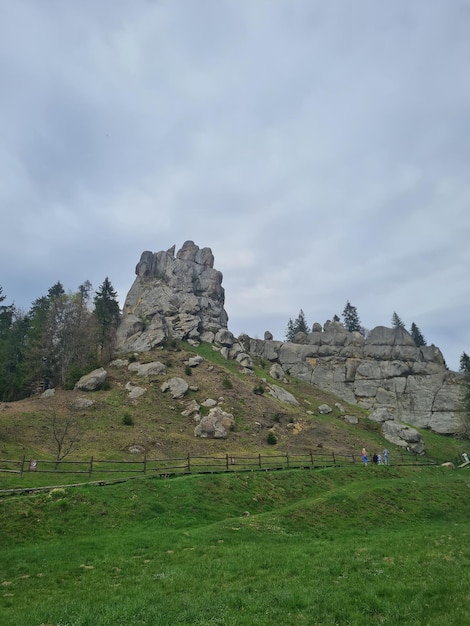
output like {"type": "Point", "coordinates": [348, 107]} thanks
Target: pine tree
{"type": "Point", "coordinates": [107, 316]}
{"type": "Point", "coordinates": [351, 319]}
{"type": "Point", "coordinates": [301, 323]}
{"type": "Point", "coordinates": [417, 336]}
{"type": "Point", "coordinates": [298, 326]}
{"type": "Point", "coordinates": [465, 369]}
{"type": "Point", "coordinates": [465, 363]}
{"type": "Point", "coordinates": [397, 322]}
{"type": "Point", "coordinates": [290, 332]}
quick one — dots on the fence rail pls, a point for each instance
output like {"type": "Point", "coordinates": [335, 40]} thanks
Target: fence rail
{"type": "Point", "coordinates": [196, 464]}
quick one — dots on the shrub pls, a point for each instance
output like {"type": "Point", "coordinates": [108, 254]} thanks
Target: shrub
{"type": "Point", "coordinates": [258, 390]}
{"type": "Point", "coordinates": [188, 370]}
{"type": "Point", "coordinates": [74, 374]}
{"type": "Point", "coordinates": [227, 383]}
{"type": "Point", "coordinates": [127, 419]}
{"type": "Point", "coordinates": [271, 438]}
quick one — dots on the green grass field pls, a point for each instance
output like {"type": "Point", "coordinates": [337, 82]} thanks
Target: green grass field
{"type": "Point", "coordinates": [340, 546]}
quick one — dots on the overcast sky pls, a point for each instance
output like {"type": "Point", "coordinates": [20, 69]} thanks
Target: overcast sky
{"type": "Point", "coordinates": [320, 149]}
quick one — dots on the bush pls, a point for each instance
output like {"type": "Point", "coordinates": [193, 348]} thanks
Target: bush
{"type": "Point", "coordinates": [227, 383]}
{"type": "Point", "coordinates": [127, 419]}
{"type": "Point", "coordinates": [258, 390]}
{"type": "Point", "coordinates": [188, 370]}
{"type": "Point", "coordinates": [271, 438]}
{"type": "Point", "coordinates": [74, 374]}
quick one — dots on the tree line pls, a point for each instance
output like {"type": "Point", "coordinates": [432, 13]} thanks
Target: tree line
{"type": "Point", "coordinates": [352, 323]}
{"type": "Point", "coordinates": [61, 337]}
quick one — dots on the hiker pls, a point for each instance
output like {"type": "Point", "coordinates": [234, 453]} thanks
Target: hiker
{"type": "Point", "coordinates": [364, 456]}
{"type": "Point", "coordinates": [379, 459]}
{"type": "Point", "coordinates": [375, 459]}
{"type": "Point", "coordinates": [465, 457]}
{"type": "Point", "coordinates": [385, 453]}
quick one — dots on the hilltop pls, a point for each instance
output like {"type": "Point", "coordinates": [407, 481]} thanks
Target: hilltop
{"type": "Point", "coordinates": [115, 425]}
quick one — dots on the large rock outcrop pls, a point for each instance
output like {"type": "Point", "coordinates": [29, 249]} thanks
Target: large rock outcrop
{"type": "Point", "coordinates": [172, 297]}
{"type": "Point", "coordinates": [385, 369]}
{"type": "Point", "coordinates": [182, 297]}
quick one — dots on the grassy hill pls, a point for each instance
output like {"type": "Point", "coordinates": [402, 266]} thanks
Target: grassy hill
{"type": "Point", "coordinates": [353, 546]}
{"type": "Point", "coordinates": [347, 545]}
{"type": "Point", "coordinates": [154, 422]}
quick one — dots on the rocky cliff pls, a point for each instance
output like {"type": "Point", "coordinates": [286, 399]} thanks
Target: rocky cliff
{"type": "Point", "coordinates": [173, 297]}
{"type": "Point", "coordinates": [384, 369]}
{"type": "Point", "coordinates": [181, 296]}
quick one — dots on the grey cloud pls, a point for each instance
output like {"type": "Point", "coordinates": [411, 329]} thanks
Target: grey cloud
{"type": "Point", "coordinates": [318, 148]}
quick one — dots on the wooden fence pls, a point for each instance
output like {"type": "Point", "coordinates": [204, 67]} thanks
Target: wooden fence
{"type": "Point", "coordinates": [197, 464]}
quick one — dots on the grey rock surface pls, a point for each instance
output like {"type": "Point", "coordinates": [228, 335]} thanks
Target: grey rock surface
{"type": "Point", "coordinates": [172, 296]}
{"type": "Point", "coordinates": [92, 381]}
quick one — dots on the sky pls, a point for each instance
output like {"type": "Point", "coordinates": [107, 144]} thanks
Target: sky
{"type": "Point", "coordinates": [320, 149]}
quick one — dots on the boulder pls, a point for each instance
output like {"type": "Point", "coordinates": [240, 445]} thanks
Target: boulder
{"type": "Point", "coordinates": [48, 393]}
{"type": "Point", "coordinates": [135, 391]}
{"type": "Point", "coordinates": [381, 414]}
{"type": "Point", "coordinates": [194, 361]}
{"type": "Point", "coordinates": [224, 337]}
{"type": "Point", "coordinates": [92, 381]}
{"type": "Point", "coordinates": [215, 425]}
{"type": "Point", "coordinates": [146, 370]}
{"type": "Point", "coordinates": [191, 409]}
{"type": "Point", "coordinates": [119, 363]}
{"type": "Point", "coordinates": [177, 387]}
{"type": "Point", "coordinates": [276, 372]}
{"type": "Point", "coordinates": [404, 436]}
{"type": "Point", "coordinates": [281, 394]}
{"type": "Point", "coordinates": [81, 404]}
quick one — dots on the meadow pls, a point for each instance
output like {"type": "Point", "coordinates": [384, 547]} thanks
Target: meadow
{"type": "Point", "coordinates": [337, 546]}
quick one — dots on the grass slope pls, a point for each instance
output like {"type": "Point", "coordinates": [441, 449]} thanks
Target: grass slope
{"type": "Point", "coordinates": [354, 546]}
{"type": "Point", "coordinates": [161, 431]}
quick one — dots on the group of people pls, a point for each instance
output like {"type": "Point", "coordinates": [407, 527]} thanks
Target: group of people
{"type": "Point", "coordinates": [377, 459]}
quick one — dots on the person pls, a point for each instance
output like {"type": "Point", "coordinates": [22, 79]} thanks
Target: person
{"type": "Point", "coordinates": [465, 457]}
{"type": "Point", "coordinates": [379, 459]}
{"type": "Point", "coordinates": [385, 453]}
{"type": "Point", "coordinates": [364, 456]}
{"type": "Point", "coordinates": [375, 459]}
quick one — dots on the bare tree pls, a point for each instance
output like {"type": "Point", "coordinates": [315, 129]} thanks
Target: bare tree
{"type": "Point", "coordinates": [65, 434]}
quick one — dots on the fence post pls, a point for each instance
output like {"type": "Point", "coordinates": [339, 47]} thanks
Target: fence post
{"type": "Point", "coordinates": [287, 459]}
{"type": "Point", "coordinates": [259, 460]}
{"type": "Point", "coordinates": [311, 457]}
{"type": "Point", "coordinates": [189, 464]}
{"type": "Point", "coordinates": [22, 466]}
{"type": "Point", "coordinates": [354, 459]}
{"type": "Point", "coordinates": [145, 463]}
{"type": "Point", "coordinates": [334, 458]}
{"type": "Point", "coordinates": [226, 462]}
{"type": "Point", "coordinates": [90, 468]}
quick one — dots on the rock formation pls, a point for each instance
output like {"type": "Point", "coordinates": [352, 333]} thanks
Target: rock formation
{"type": "Point", "coordinates": [182, 297]}
{"type": "Point", "coordinates": [385, 369]}
{"type": "Point", "coordinates": [173, 297]}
